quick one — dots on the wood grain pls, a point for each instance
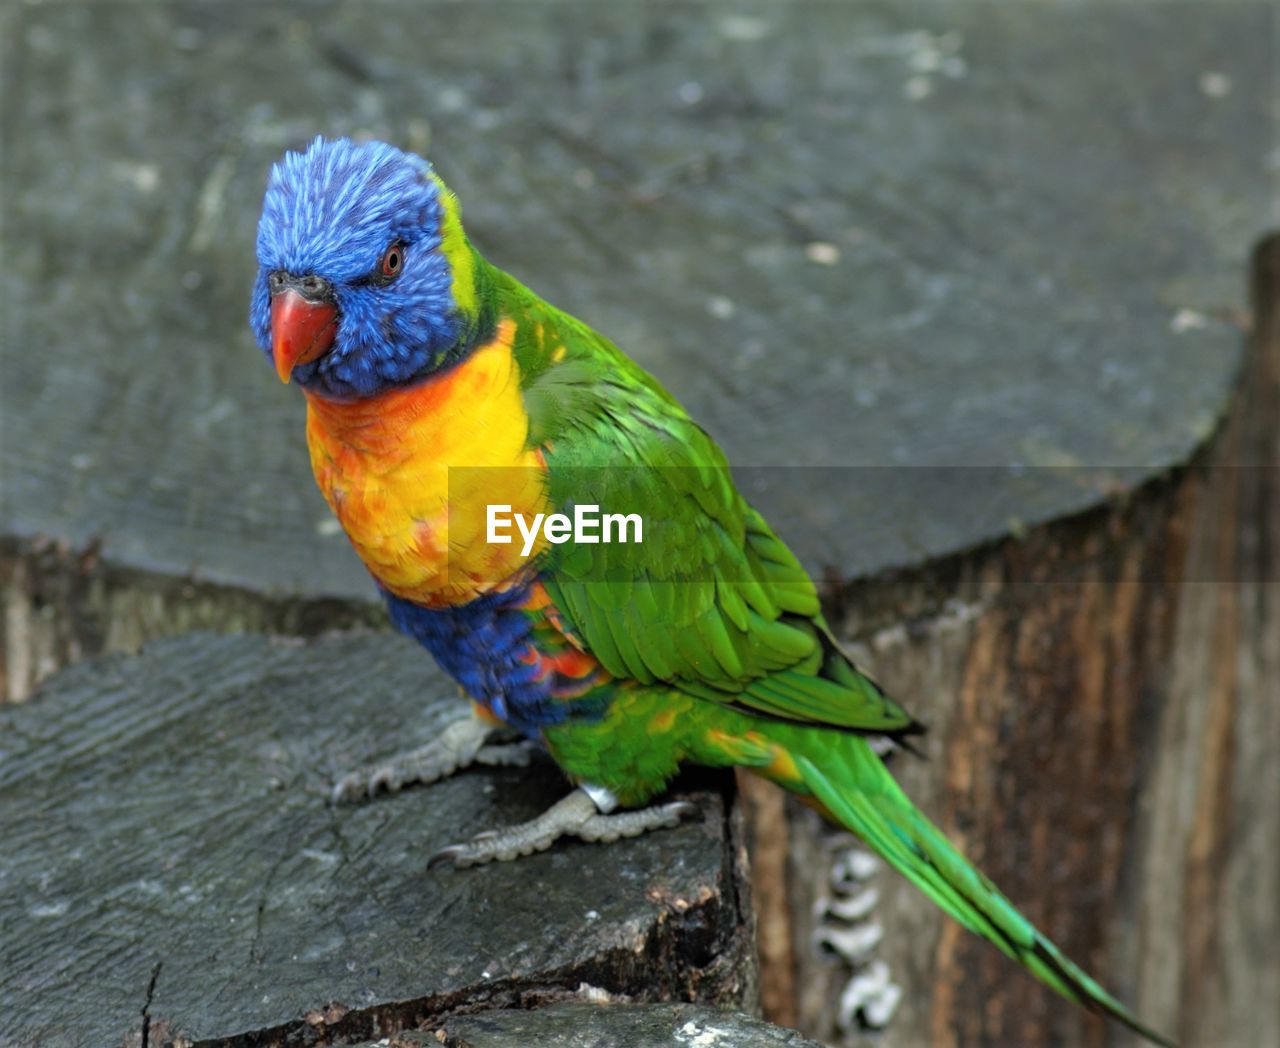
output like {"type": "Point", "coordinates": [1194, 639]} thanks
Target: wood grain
{"type": "Point", "coordinates": [578, 1025]}
{"type": "Point", "coordinates": [955, 285]}
{"type": "Point", "coordinates": [1102, 703]}
{"type": "Point", "coordinates": [171, 865]}
{"type": "Point", "coordinates": [877, 300]}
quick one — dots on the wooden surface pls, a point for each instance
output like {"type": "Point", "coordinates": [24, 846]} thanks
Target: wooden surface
{"type": "Point", "coordinates": [989, 240]}
{"type": "Point", "coordinates": [581, 1025]}
{"type": "Point", "coordinates": [1103, 713]}
{"type": "Point", "coordinates": [931, 273]}
{"type": "Point", "coordinates": [170, 863]}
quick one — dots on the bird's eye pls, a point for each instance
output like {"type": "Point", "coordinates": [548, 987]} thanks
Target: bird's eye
{"type": "Point", "coordinates": [275, 280]}
{"type": "Point", "coordinates": [393, 260]}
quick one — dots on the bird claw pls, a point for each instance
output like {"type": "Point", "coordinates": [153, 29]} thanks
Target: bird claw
{"type": "Point", "coordinates": [507, 755]}
{"type": "Point", "coordinates": [575, 815]}
{"type": "Point", "coordinates": [461, 744]}
{"type": "Point", "coordinates": [450, 854]}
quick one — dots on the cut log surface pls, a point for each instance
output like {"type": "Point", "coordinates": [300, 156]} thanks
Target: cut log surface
{"type": "Point", "coordinates": [932, 274]}
{"type": "Point", "coordinates": [581, 1025]}
{"type": "Point", "coordinates": [1103, 727]}
{"type": "Point", "coordinates": [864, 237]}
{"type": "Point", "coordinates": [172, 872]}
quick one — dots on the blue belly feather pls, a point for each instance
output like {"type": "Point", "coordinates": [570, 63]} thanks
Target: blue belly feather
{"type": "Point", "coordinates": [484, 645]}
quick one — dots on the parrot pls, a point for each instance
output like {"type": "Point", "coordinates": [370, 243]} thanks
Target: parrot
{"type": "Point", "coordinates": [437, 387]}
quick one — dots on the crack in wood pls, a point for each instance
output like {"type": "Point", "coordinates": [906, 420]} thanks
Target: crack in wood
{"type": "Point", "coordinates": [146, 1005]}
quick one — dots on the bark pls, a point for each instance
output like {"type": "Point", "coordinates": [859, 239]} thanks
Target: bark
{"type": "Point", "coordinates": [1101, 696]}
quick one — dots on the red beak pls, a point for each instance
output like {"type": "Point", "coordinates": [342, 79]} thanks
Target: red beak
{"type": "Point", "coordinates": [301, 331]}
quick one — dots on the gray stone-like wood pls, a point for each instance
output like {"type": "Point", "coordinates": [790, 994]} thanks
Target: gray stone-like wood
{"type": "Point", "coordinates": [853, 236]}
{"type": "Point", "coordinates": [584, 1025]}
{"type": "Point", "coordinates": [870, 237]}
{"type": "Point", "coordinates": [170, 863]}
{"type": "Point", "coordinates": [1102, 705]}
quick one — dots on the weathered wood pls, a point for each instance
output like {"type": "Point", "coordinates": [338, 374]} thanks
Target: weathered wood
{"type": "Point", "coordinates": [846, 235]}
{"type": "Point", "coordinates": [580, 1025]}
{"type": "Point", "coordinates": [63, 604]}
{"type": "Point", "coordinates": [1102, 699]}
{"type": "Point", "coordinates": [171, 869]}
{"type": "Point", "coordinates": [955, 238]}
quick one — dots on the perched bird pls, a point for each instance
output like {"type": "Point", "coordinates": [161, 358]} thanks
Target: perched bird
{"type": "Point", "coordinates": [438, 386]}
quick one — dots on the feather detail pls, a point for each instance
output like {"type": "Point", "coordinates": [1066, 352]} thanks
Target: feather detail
{"type": "Point", "coordinates": [410, 474]}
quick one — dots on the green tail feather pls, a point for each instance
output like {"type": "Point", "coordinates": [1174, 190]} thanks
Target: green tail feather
{"type": "Point", "coordinates": [865, 799]}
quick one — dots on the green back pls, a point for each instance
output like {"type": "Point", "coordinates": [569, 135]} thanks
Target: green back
{"type": "Point", "coordinates": [711, 601]}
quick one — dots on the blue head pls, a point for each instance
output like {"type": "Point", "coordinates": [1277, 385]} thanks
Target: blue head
{"type": "Point", "coordinates": [361, 268]}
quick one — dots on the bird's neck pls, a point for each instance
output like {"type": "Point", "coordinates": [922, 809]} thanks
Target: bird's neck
{"type": "Point", "coordinates": [410, 473]}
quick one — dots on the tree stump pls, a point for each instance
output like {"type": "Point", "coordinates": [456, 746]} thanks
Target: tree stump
{"type": "Point", "coordinates": [975, 267]}
{"type": "Point", "coordinates": [885, 242]}
{"type": "Point", "coordinates": [1101, 695]}
{"type": "Point", "coordinates": [173, 874]}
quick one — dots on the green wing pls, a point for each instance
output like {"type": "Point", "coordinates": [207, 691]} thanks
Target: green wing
{"type": "Point", "coordinates": [711, 601]}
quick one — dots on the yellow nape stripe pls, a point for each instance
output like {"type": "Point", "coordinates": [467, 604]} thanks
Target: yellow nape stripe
{"type": "Point", "coordinates": [456, 250]}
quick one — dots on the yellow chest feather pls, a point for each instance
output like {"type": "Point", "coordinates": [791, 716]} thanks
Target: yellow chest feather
{"type": "Point", "coordinates": [410, 474]}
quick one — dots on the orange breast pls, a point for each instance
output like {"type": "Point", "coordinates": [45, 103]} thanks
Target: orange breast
{"type": "Point", "coordinates": [410, 475]}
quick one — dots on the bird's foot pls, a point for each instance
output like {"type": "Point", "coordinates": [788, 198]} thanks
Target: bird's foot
{"type": "Point", "coordinates": [461, 744]}
{"type": "Point", "coordinates": [583, 814]}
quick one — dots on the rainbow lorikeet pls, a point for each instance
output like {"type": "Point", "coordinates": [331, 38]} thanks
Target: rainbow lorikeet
{"type": "Point", "coordinates": [437, 387]}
